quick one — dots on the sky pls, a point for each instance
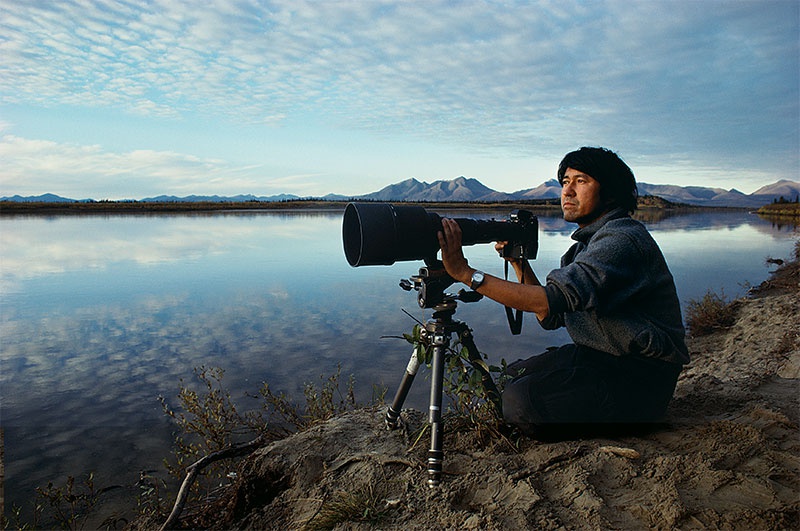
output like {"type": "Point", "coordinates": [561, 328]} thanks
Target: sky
{"type": "Point", "coordinates": [131, 99]}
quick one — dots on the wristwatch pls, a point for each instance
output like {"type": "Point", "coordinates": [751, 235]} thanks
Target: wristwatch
{"type": "Point", "coordinates": [477, 279]}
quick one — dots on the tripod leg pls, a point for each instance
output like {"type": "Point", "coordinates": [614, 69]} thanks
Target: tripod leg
{"type": "Point", "coordinates": [436, 454]}
{"type": "Point", "coordinates": [492, 394]}
{"type": "Point", "coordinates": [393, 413]}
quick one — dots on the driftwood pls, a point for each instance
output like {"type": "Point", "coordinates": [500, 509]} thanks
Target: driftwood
{"type": "Point", "coordinates": [195, 468]}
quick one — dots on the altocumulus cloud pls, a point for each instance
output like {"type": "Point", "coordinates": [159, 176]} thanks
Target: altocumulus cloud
{"type": "Point", "coordinates": [67, 166]}
{"type": "Point", "coordinates": [712, 82]}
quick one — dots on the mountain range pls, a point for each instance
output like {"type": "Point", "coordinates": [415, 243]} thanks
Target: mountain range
{"type": "Point", "coordinates": [465, 189]}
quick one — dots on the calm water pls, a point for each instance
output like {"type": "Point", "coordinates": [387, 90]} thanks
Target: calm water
{"type": "Point", "coordinates": [102, 314]}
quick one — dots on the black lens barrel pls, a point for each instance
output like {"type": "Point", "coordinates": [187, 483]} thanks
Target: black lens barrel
{"type": "Point", "coordinates": [382, 233]}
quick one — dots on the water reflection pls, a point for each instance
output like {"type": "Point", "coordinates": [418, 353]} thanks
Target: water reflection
{"type": "Point", "coordinates": [102, 314]}
{"type": "Point", "coordinates": [37, 247]}
{"type": "Point", "coordinates": [781, 223]}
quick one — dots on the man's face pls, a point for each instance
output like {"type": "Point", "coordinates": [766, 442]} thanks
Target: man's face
{"type": "Point", "coordinates": [580, 198]}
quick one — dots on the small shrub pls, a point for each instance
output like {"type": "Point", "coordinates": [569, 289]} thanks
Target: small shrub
{"type": "Point", "coordinates": [366, 504]}
{"type": "Point", "coordinates": [327, 399]}
{"type": "Point", "coordinates": [209, 421]}
{"type": "Point", "coordinates": [65, 506]}
{"type": "Point", "coordinates": [712, 312]}
{"type": "Point", "coordinates": [463, 384]}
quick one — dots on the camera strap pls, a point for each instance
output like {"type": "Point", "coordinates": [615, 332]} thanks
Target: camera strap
{"type": "Point", "coordinates": [514, 319]}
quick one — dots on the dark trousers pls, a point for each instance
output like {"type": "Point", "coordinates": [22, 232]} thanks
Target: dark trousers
{"type": "Point", "coordinates": [575, 388]}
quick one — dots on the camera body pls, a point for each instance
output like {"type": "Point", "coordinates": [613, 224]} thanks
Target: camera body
{"type": "Point", "coordinates": [383, 233]}
{"type": "Point", "coordinates": [529, 228]}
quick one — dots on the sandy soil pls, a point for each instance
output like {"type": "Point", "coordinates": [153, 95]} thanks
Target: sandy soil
{"type": "Point", "coordinates": [727, 458]}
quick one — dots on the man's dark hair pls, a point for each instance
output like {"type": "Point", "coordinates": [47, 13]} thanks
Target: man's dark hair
{"type": "Point", "coordinates": [617, 183]}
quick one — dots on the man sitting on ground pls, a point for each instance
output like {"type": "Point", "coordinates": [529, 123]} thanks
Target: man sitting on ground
{"type": "Point", "coordinates": [614, 294]}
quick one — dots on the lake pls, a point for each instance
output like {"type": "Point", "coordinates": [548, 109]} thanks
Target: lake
{"type": "Point", "coordinates": [103, 314]}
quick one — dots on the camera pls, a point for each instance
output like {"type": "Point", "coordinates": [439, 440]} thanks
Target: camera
{"type": "Point", "coordinates": [383, 233]}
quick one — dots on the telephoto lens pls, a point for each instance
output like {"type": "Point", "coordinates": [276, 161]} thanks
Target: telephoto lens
{"type": "Point", "coordinates": [382, 233]}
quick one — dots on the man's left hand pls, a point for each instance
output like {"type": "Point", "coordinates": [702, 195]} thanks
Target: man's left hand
{"type": "Point", "coordinates": [452, 252]}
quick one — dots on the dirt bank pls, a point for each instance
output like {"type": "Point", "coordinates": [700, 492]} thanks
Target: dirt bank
{"type": "Point", "coordinates": [727, 458]}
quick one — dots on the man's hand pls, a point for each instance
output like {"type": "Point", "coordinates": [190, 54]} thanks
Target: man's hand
{"type": "Point", "coordinates": [521, 266]}
{"type": "Point", "coordinates": [452, 253]}
{"type": "Point", "coordinates": [529, 296]}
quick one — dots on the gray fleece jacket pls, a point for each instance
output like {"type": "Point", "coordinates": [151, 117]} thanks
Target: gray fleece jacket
{"type": "Point", "coordinates": [615, 293]}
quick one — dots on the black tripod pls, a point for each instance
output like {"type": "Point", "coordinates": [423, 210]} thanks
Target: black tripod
{"type": "Point", "coordinates": [430, 285]}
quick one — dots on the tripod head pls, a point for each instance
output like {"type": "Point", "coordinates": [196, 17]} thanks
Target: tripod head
{"type": "Point", "coordinates": [430, 284]}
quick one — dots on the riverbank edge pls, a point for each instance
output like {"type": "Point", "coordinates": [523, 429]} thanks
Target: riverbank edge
{"type": "Point", "coordinates": [704, 470]}
{"type": "Point", "coordinates": [139, 207]}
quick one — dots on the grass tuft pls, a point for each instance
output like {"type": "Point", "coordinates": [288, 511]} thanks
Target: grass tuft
{"type": "Point", "coordinates": [366, 504]}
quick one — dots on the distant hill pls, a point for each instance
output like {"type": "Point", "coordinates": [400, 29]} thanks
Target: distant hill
{"type": "Point", "coordinates": [460, 189]}
{"type": "Point", "coordinates": [786, 189]}
{"type": "Point", "coordinates": [241, 198]}
{"type": "Point", "coordinates": [465, 189]}
{"type": "Point", "coordinates": [698, 195]}
{"type": "Point", "coordinates": [44, 198]}
{"type": "Point", "coordinates": [547, 190]}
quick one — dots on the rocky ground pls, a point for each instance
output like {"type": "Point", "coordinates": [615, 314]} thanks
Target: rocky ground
{"type": "Point", "coordinates": [728, 456]}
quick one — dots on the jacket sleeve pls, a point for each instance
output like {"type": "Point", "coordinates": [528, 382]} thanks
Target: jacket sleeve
{"type": "Point", "coordinates": [557, 304]}
{"type": "Point", "coordinates": [603, 276]}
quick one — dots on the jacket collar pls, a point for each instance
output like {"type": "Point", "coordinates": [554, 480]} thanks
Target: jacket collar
{"type": "Point", "coordinates": [584, 234]}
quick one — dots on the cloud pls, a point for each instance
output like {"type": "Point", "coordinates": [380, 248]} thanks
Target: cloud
{"type": "Point", "coordinates": [69, 169]}
{"type": "Point", "coordinates": [712, 81]}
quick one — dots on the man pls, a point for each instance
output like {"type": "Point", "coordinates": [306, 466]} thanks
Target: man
{"type": "Point", "coordinates": [616, 297]}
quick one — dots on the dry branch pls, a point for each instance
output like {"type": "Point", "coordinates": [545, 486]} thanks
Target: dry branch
{"type": "Point", "coordinates": [195, 468]}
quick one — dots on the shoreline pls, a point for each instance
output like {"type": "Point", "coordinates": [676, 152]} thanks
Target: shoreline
{"type": "Point", "coordinates": [728, 455]}
{"type": "Point", "coordinates": [646, 203]}
{"type": "Point", "coordinates": [200, 206]}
